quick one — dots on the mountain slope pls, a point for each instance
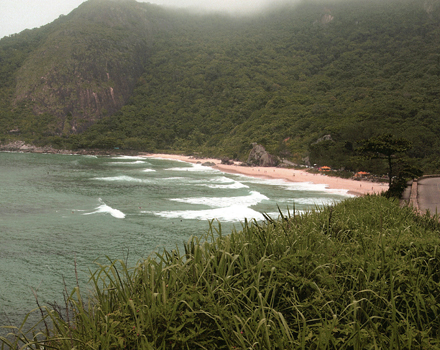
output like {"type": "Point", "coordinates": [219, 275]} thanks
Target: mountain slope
{"type": "Point", "coordinates": [87, 66]}
{"type": "Point", "coordinates": [348, 69]}
{"type": "Point", "coordinates": [132, 75]}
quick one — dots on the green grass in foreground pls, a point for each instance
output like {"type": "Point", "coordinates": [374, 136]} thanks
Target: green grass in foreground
{"type": "Point", "coordinates": [363, 274]}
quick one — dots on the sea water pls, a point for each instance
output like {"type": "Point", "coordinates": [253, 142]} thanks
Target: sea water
{"type": "Point", "coordinates": [61, 215]}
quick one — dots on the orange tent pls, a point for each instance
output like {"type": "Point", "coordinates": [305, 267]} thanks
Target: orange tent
{"type": "Point", "coordinates": [325, 168]}
{"type": "Point", "coordinates": [361, 173]}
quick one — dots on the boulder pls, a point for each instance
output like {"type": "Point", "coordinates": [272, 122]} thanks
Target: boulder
{"type": "Point", "coordinates": [208, 164]}
{"type": "Point", "coordinates": [227, 161]}
{"type": "Point", "coordinates": [260, 157]}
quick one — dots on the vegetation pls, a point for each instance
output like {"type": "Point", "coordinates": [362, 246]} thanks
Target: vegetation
{"type": "Point", "coordinates": [362, 274]}
{"type": "Point", "coordinates": [213, 84]}
{"type": "Point", "coordinates": [385, 147]}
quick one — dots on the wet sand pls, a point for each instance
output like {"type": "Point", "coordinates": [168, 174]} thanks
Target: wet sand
{"type": "Point", "coordinates": [354, 187]}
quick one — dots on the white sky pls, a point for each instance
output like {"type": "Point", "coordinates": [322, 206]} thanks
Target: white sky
{"type": "Point", "coordinates": [17, 15]}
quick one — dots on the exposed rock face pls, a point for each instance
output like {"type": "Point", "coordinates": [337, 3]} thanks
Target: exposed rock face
{"type": "Point", "coordinates": [327, 18]}
{"type": "Point", "coordinates": [324, 138]}
{"type": "Point", "coordinates": [88, 66]}
{"type": "Point", "coordinates": [429, 6]}
{"type": "Point", "coordinates": [258, 156]}
{"type": "Point", "coordinates": [306, 161]}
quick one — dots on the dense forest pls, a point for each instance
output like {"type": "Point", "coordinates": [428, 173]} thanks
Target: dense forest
{"type": "Point", "coordinates": [309, 80]}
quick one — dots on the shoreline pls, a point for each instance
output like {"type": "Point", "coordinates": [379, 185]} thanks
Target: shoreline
{"type": "Point", "coordinates": [353, 187]}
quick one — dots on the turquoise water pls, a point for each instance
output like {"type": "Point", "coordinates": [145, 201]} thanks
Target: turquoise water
{"type": "Point", "coordinates": [58, 209]}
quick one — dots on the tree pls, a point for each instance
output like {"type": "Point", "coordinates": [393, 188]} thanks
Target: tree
{"type": "Point", "coordinates": [386, 147]}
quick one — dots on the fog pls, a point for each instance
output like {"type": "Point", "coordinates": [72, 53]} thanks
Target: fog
{"type": "Point", "coordinates": [18, 15]}
{"type": "Point", "coordinates": [240, 7]}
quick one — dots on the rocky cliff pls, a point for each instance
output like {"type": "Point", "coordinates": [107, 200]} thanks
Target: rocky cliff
{"type": "Point", "coordinates": [260, 157]}
{"type": "Point", "coordinates": [88, 65]}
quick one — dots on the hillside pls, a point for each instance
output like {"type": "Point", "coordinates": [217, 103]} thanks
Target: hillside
{"type": "Point", "coordinates": [79, 68]}
{"type": "Point", "coordinates": [134, 76]}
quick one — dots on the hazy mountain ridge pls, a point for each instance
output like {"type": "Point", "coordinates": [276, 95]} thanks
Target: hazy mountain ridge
{"type": "Point", "coordinates": [156, 79]}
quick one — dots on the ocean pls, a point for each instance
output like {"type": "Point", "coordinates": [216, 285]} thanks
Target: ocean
{"type": "Point", "coordinates": [59, 213]}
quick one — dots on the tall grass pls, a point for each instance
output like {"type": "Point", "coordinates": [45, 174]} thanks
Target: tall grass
{"type": "Point", "coordinates": [363, 274]}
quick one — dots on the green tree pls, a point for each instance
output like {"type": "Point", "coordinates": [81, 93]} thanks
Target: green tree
{"type": "Point", "coordinates": [386, 147]}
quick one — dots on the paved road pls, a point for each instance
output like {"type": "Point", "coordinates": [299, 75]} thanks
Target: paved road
{"type": "Point", "coordinates": [428, 195]}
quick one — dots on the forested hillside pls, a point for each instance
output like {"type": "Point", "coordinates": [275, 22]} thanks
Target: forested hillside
{"type": "Point", "coordinates": [135, 76]}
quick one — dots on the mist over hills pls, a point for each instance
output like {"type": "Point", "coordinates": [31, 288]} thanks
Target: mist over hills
{"type": "Point", "coordinates": [138, 76]}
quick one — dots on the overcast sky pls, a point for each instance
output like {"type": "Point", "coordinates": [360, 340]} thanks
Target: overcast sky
{"type": "Point", "coordinates": [17, 15]}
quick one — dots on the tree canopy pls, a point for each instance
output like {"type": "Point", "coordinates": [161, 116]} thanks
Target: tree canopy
{"type": "Point", "coordinates": [386, 147]}
{"type": "Point", "coordinates": [214, 84]}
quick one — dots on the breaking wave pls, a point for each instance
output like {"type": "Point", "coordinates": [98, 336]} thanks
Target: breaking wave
{"type": "Point", "coordinates": [122, 178]}
{"type": "Point", "coordinates": [105, 209]}
{"type": "Point", "coordinates": [223, 202]}
{"type": "Point", "coordinates": [234, 213]}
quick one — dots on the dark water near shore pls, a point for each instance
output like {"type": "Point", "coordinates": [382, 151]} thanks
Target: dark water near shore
{"type": "Point", "coordinates": [55, 209]}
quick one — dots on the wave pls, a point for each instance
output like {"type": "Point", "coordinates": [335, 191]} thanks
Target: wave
{"type": "Point", "coordinates": [223, 182]}
{"type": "Point", "coordinates": [295, 186]}
{"type": "Point", "coordinates": [233, 186]}
{"type": "Point", "coordinates": [312, 201]}
{"type": "Point", "coordinates": [276, 214]}
{"type": "Point", "coordinates": [128, 163]}
{"type": "Point", "coordinates": [123, 178]}
{"type": "Point", "coordinates": [129, 157]}
{"type": "Point", "coordinates": [149, 170]}
{"type": "Point", "coordinates": [169, 159]}
{"type": "Point", "coordinates": [233, 213]}
{"type": "Point", "coordinates": [105, 209]}
{"type": "Point", "coordinates": [223, 202]}
{"type": "Point", "coordinates": [194, 168]}
{"type": "Point", "coordinates": [221, 179]}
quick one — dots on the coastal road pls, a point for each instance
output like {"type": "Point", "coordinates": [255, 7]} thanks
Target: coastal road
{"type": "Point", "coordinates": [428, 194]}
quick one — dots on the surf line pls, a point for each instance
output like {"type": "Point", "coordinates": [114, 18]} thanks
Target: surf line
{"type": "Point", "coordinates": [104, 208]}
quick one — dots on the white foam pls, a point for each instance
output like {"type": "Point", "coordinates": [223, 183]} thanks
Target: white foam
{"type": "Point", "coordinates": [224, 182]}
{"type": "Point", "coordinates": [194, 168]}
{"type": "Point", "coordinates": [316, 201]}
{"type": "Point", "coordinates": [224, 202]}
{"type": "Point", "coordinates": [276, 214]}
{"type": "Point", "coordinates": [128, 163]}
{"type": "Point", "coordinates": [221, 179]}
{"type": "Point", "coordinates": [149, 170]}
{"type": "Point", "coordinates": [169, 159]}
{"type": "Point", "coordinates": [229, 214]}
{"type": "Point", "coordinates": [129, 157]}
{"type": "Point", "coordinates": [233, 186]}
{"type": "Point", "coordinates": [122, 178]}
{"type": "Point", "coordinates": [182, 180]}
{"type": "Point", "coordinates": [340, 192]}
{"type": "Point", "coordinates": [295, 186]}
{"type": "Point", "coordinates": [291, 186]}
{"type": "Point", "coordinates": [319, 201]}
{"type": "Point", "coordinates": [105, 209]}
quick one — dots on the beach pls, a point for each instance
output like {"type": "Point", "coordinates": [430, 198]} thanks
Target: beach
{"type": "Point", "coordinates": [354, 187]}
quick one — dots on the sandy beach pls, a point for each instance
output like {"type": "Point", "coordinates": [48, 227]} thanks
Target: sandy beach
{"type": "Point", "coordinates": [354, 187]}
